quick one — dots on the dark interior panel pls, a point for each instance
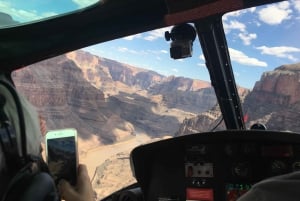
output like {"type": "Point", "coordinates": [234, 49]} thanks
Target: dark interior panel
{"type": "Point", "coordinates": [213, 166]}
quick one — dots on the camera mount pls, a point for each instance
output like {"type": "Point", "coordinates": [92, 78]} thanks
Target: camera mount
{"type": "Point", "coordinates": [182, 37]}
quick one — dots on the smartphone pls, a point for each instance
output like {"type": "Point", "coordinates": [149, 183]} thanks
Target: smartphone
{"type": "Point", "coordinates": [61, 154]}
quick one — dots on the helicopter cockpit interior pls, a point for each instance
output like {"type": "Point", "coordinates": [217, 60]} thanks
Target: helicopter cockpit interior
{"type": "Point", "coordinates": [220, 165]}
{"type": "Point", "coordinates": [210, 166]}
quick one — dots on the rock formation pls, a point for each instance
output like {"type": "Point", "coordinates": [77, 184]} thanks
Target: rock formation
{"type": "Point", "coordinates": [274, 101]}
{"type": "Point", "coordinates": [110, 100]}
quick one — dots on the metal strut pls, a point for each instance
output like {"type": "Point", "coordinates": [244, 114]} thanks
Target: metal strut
{"type": "Point", "coordinates": [214, 46]}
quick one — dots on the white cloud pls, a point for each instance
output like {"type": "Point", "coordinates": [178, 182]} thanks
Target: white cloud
{"type": "Point", "coordinates": [238, 13]}
{"type": "Point", "coordinates": [4, 4]}
{"type": "Point", "coordinates": [201, 64]}
{"type": "Point", "coordinates": [257, 23]}
{"type": "Point", "coordinates": [252, 10]}
{"type": "Point", "coordinates": [246, 38]}
{"type": "Point", "coordinates": [48, 14]}
{"type": "Point", "coordinates": [26, 15]}
{"type": "Point", "coordinates": [243, 35]}
{"type": "Point", "coordinates": [156, 52]}
{"type": "Point", "coordinates": [142, 52]}
{"type": "Point", "coordinates": [133, 37]}
{"type": "Point", "coordinates": [126, 50]}
{"type": "Point", "coordinates": [202, 57]}
{"type": "Point", "coordinates": [150, 38]}
{"type": "Point", "coordinates": [23, 15]}
{"type": "Point", "coordinates": [276, 13]}
{"type": "Point", "coordinates": [234, 24]}
{"type": "Point", "coordinates": [123, 49]}
{"type": "Point", "coordinates": [235, 14]}
{"type": "Point", "coordinates": [84, 3]}
{"type": "Point", "coordinates": [236, 74]}
{"type": "Point", "coordinates": [296, 4]}
{"type": "Point", "coordinates": [175, 70]}
{"type": "Point", "coordinates": [158, 33]}
{"type": "Point", "coordinates": [281, 51]}
{"type": "Point", "coordinates": [232, 14]}
{"type": "Point", "coordinates": [241, 58]}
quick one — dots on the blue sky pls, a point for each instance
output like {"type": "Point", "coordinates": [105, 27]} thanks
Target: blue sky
{"type": "Point", "coordinates": [259, 40]}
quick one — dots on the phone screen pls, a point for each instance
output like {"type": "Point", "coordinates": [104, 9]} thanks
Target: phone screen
{"type": "Point", "coordinates": [62, 158]}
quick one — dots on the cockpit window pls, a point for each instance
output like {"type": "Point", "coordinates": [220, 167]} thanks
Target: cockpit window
{"type": "Point", "coordinates": [118, 95]}
{"type": "Point", "coordinates": [265, 55]}
{"type": "Point", "coordinates": [15, 12]}
{"type": "Point", "coordinates": [127, 92]}
{"type": "Point", "coordinates": [262, 38]}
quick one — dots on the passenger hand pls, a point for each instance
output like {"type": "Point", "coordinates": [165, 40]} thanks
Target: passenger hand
{"type": "Point", "coordinates": [83, 190]}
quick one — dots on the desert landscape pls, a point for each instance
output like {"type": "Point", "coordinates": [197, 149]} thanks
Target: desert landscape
{"type": "Point", "coordinates": [116, 107]}
{"type": "Point", "coordinates": [96, 156]}
{"type": "Point", "coordinates": [108, 165]}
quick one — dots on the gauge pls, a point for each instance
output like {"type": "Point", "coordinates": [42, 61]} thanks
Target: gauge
{"type": "Point", "coordinates": [199, 182]}
{"type": "Point", "coordinates": [199, 170]}
{"type": "Point", "coordinates": [278, 167]}
{"type": "Point", "coordinates": [202, 149]}
{"type": "Point", "coordinates": [196, 153]}
{"type": "Point", "coordinates": [241, 170]}
{"type": "Point", "coordinates": [234, 191]}
{"type": "Point", "coordinates": [296, 166]}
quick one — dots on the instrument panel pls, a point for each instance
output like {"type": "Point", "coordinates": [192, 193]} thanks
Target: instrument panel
{"type": "Point", "coordinates": [218, 166]}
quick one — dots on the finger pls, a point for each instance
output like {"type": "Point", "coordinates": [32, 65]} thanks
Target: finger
{"type": "Point", "coordinates": [43, 125]}
{"type": "Point", "coordinates": [83, 175]}
{"type": "Point", "coordinates": [82, 169]}
{"type": "Point", "coordinates": [83, 180]}
{"type": "Point", "coordinates": [67, 191]}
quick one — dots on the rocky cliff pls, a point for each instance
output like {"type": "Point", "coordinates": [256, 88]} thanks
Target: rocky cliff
{"type": "Point", "coordinates": [175, 92]}
{"type": "Point", "coordinates": [108, 101]}
{"type": "Point", "coordinates": [186, 94]}
{"type": "Point", "coordinates": [63, 97]}
{"type": "Point", "coordinates": [206, 121]}
{"type": "Point", "coordinates": [274, 101]}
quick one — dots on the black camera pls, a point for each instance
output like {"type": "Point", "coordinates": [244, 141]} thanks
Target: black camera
{"type": "Point", "coordinates": [182, 37]}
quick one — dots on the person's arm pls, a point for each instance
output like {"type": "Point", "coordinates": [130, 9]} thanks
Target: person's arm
{"type": "Point", "coordinates": [279, 188]}
{"type": "Point", "coordinates": [83, 190]}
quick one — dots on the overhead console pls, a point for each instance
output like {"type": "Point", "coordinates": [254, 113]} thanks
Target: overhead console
{"type": "Point", "coordinates": [213, 166]}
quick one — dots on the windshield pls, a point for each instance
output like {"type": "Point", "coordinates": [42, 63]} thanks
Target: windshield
{"type": "Point", "coordinates": [262, 38]}
{"type": "Point", "coordinates": [128, 91]}
{"type": "Point", "coordinates": [15, 12]}
{"type": "Point", "coordinates": [118, 95]}
{"type": "Point", "coordinates": [265, 55]}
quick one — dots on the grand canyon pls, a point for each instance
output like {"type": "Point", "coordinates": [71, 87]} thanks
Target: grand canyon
{"type": "Point", "coordinates": [116, 106]}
